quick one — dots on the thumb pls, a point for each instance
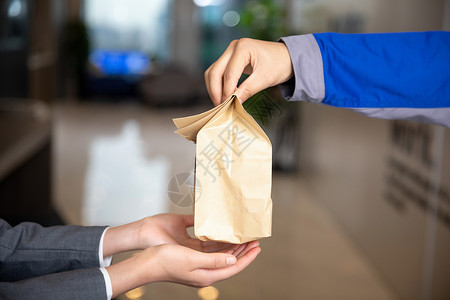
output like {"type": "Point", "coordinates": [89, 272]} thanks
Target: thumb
{"type": "Point", "coordinates": [249, 87]}
{"type": "Point", "coordinates": [214, 260]}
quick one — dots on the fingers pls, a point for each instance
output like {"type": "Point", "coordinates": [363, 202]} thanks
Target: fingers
{"type": "Point", "coordinates": [193, 243]}
{"type": "Point", "coordinates": [213, 260]}
{"type": "Point", "coordinates": [239, 250]}
{"type": "Point", "coordinates": [249, 247]}
{"type": "Point", "coordinates": [215, 246]}
{"type": "Point", "coordinates": [183, 265]}
{"type": "Point", "coordinates": [188, 220]}
{"type": "Point", "coordinates": [213, 81]}
{"type": "Point", "coordinates": [267, 63]}
{"type": "Point", "coordinates": [233, 71]}
{"type": "Point", "coordinates": [223, 76]}
{"type": "Point", "coordinates": [208, 246]}
{"type": "Point", "coordinates": [232, 249]}
{"type": "Point", "coordinates": [218, 247]}
{"type": "Point", "coordinates": [215, 275]}
{"type": "Point", "coordinates": [214, 75]}
{"type": "Point", "coordinates": [242, 249]}
{"type": "Point", "coordinates": [210, 242]}
{"type": "Point", "coordinates": [250, 86]}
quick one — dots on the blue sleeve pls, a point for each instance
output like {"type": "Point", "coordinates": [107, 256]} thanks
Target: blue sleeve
{"type": "Point", "coordinates": [382, 75]}
{"type": "Point", "coordinates": [410, 70]}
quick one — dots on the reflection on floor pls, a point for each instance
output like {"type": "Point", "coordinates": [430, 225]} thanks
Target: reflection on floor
{"type": "Point", "coordinates": [113, 164]}
{"type": "Point", "coordinates": [142, 179]}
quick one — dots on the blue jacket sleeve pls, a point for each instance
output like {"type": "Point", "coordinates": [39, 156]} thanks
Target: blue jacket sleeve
{"type": "Point", "coordinates": [386, 75]}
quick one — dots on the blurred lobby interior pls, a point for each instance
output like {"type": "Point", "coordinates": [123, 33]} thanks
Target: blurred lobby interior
{"type": "Point", "coordinates": [88, 91]}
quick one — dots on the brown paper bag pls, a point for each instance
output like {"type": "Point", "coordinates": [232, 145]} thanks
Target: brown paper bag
{"type": "Point", "coordinates": [233, 174]}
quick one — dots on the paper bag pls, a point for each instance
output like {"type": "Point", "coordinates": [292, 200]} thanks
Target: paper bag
{"type": "Point", "coordinates": [233, 169]}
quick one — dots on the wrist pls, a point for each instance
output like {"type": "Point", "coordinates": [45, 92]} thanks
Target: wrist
{"type": "Point", "coordinates": [121, 238]}
{"type": "Point", "coordinates": [126, 275]}
{"type": "Point", "coordinates": [148, 267]}
{"type": "Point", "coordinates": [146, 230]}
{"type": "Point", "coordinates": [140, 269]}
{"type": "Point", "coordinates": [285, 60]}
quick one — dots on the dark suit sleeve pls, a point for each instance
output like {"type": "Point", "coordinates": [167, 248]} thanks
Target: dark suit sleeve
{"type": "Point", "coordinates": [78, 284]}
{"type": "Point", "coordinates": [29, 250]}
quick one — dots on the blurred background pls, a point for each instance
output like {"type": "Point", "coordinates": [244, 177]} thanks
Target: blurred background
{"type": "Point", "coordinates": [88, 90]}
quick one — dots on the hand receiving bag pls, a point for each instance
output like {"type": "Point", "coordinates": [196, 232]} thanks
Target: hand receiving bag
{"type": "Point", "coordinates": [233, 174]}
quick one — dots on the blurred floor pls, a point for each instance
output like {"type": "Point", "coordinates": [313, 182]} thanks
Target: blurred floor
{"type": "Point", "coordinates": [113, 164]}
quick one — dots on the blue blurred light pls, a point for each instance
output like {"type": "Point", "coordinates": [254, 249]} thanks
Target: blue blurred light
{"type": "Point", "coordinates": [15, 8]}
{"type": "Point", "coordinates": [120, 63]}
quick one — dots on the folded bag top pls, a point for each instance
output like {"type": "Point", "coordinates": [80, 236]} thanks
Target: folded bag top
{"type": "Point", "coordinates": [233, 178]}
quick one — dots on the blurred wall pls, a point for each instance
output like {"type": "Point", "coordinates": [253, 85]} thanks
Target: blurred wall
{"type": "Point", "coordinates": [406, 15]}
{"type": "Point", "coordinates": [43, 56]}
{"type": "Point", "coordinates": [29, 63]}
{"type": "Point", "coordinates": [387, 182]}
{"type": "Point", "coordinates": [186, 36]}
{"type": "Point", "coordinates": [374, 15]}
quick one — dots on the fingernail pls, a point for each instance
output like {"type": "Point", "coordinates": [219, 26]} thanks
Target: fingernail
{"type": "Point", "coordinates": [231, 260]}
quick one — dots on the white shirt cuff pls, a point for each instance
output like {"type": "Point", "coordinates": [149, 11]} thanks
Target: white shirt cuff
{"type": "Point", "coordinates": [104, 261]}
{"type": "Point", "coordinates": [107, 283]}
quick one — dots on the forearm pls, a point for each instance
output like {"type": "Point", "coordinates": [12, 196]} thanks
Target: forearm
{"type": "Point", "coordinates": [130, 273]}
{"type": "Point", "coordinates": [123, 238]}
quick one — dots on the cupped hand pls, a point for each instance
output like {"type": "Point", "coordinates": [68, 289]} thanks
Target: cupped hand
{"type": "Point", "coordinates": [183, 265]}
{"type": "Point", "coordinates": [172, 229]}
{"type": "Point", "coordinates": [267, 63]}
{"type": "Point", "coordinates": [178, 264]}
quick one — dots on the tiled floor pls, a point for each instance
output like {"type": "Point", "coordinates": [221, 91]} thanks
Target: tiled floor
{"type": "Point", "coordinates": [113, 164]}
